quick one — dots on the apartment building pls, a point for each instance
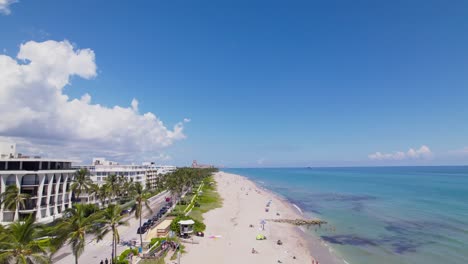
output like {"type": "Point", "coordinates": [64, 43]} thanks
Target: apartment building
{"type": "Point", "coordinates": [46, 182]}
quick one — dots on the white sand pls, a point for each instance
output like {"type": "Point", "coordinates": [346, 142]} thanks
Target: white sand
{"type": "Point", "coordinates": [245, 204]}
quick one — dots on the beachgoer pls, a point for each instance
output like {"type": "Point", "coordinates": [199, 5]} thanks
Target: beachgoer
{"type": "Point", "coordinates": [102, 262]}
{"type": "Point", "coordinates": [106, 261]}
{"type": "Point", "coordinates": [294, 257]}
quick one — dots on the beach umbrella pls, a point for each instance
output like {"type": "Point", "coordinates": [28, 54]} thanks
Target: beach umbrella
{"type": "Point", "coordinates": [263, 222]}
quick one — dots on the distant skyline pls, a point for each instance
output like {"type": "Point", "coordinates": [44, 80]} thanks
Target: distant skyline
{"type": "Point", "coordinates": [237, 83]}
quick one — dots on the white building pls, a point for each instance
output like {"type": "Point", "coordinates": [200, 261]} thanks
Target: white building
{"type": "Point", "coordinates": [102, 168]}
{"type": "Point", "coordinates": [146, 174]}
{"type": "Point", "coordinates": [153, 172]}
{"type": "Point", "coordinates": [46, 181]}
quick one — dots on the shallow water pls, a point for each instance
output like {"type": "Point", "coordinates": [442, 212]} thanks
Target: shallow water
{"type": "Point", "coordinates": [381, 215]}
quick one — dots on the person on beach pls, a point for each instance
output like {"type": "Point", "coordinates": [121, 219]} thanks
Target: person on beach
{"type": "Point", "coordinates": [102, 262]}
{"type": "Point", "coordinates": [106, 261]}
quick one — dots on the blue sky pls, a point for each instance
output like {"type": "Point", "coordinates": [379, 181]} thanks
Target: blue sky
{"type": "Point", "coordinates": [274, 83]}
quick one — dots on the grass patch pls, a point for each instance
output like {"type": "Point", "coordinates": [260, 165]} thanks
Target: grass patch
{"type": "Point", "coordinates": [208, 200]}
{"type": "Point", "coordinates": [152, 261]}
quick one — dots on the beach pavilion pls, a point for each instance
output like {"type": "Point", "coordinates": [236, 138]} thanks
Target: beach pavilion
{"type": "Point", "coordinates": [186, 227]}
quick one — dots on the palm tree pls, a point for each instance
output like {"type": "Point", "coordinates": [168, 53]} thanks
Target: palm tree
{"type": "Point", "coordinates": [112, 181]}
{"type": "Point", "coordinates": [124, 186]}
{"type": "Point", "coordinates": [111, 218]}
{"type": "Point", "coordinates": [82, 182]}
{"type": "Point", "coordinates": [140, 196]}
{"type": "Point", "coordinates": [175, 184]}
{"type": "Point", "coordinates": [13, 199]}
{"type": "Point", "coordinates": [21, 242]}
{"type": "Point", "coordinates": [103, 193]}
{"type": "Point", "coordinates": [75, 227]}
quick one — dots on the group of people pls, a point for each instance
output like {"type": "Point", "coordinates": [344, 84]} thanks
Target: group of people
{"type": "Point", "coordinates": [170, 244]}
{"type": "Point", "coordinates": [104, 261]}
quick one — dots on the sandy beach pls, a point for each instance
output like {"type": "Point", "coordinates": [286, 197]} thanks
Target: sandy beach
{"type": "Point", "coordinates": [244, 205]}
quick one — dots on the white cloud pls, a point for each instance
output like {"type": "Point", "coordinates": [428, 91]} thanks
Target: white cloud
{"type": "Point", "coordinates": [34, 108]}
{"type": "Point", "coordinates": [187, 120]}
{"type": "Point", "coordinates": [422, 153]}
{"type": "Point", "coordinates": [5, 6]}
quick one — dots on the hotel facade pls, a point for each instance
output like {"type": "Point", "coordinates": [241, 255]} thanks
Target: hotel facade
{"type": "Point", "coordinates": [146, 174]}
{"type": "Point", "coordinates": [45, 181]}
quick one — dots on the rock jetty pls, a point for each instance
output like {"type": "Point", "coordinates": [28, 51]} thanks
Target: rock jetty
{"type": "Point", "coordinates": [299, 222]}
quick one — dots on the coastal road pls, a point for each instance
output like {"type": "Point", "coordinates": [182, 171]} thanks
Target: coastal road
{"type": "Point", "coordinates": [96, 251]}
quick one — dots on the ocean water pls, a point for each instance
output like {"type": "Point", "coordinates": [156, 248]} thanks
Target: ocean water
{"type": "Point", "coordinates": [380, 215]}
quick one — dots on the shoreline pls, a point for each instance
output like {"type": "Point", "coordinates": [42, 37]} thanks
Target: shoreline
{"type": "Point", "coordinates": [318, 249]}
{"type": "Point", "coordinates": [230, 239]}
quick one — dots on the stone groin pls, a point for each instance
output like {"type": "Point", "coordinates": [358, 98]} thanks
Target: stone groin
{"type": "Point", "coordinates": [298, 222]}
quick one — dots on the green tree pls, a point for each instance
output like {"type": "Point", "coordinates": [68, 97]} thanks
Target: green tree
{"type": "Point", "coordinates": [141, 198]}
{"type": "Point", "coordinates": [22, 242]}
{"type": "Point", "coordinates": [111, 219]}
{"type": "Point", "coordinates": [74, 227]}
{"type": "Point", "coordinates": [112, 182]}
{"type": "Point", "coordinates": [13, 199]}
{"type": "Point", "coordinates": [103, 193]}
{"type": "Point", "coordinates": [82, 183]}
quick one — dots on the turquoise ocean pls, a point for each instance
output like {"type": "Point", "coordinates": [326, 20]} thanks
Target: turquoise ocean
{"type": "Point", "coordinates": [381, 214]}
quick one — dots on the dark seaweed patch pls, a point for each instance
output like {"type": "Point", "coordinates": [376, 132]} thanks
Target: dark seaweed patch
{"type": "Point", "coordinates": [352, 240]}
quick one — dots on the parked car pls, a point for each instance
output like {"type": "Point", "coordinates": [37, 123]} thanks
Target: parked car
{"type": "Point", "coordinates": [126, 211]}
{"type": "Point", "coordinates": [141, 230]}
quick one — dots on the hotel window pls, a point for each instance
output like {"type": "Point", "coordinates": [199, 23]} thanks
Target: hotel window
{"type": "Point", "coordinates": [30, 179]}
{"type": "Point", "coordinates": [31, 165]}
{"type": "Point", "coordinates": [11, 180]}
{"type": "Point", "coordinates": [13, 165]}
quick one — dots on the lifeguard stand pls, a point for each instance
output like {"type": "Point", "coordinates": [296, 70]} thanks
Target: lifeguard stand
{"type": "Point", "coordinates": [186, 227]}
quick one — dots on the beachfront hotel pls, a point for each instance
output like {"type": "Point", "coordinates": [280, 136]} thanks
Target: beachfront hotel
{"type": "Point", "coordinates": [102, 168]}
{"type": "Point", "coordinates": [46, 182]}
{"type": "Point", "coordinates": [146, 174]}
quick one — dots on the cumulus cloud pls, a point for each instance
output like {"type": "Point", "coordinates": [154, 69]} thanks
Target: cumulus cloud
{"type": "Point", "coordinates": [5, 6]}
{"type": "Point", "coordinates": [34, 106]}
{"type": "Point", "coordinates": [422, 153]}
